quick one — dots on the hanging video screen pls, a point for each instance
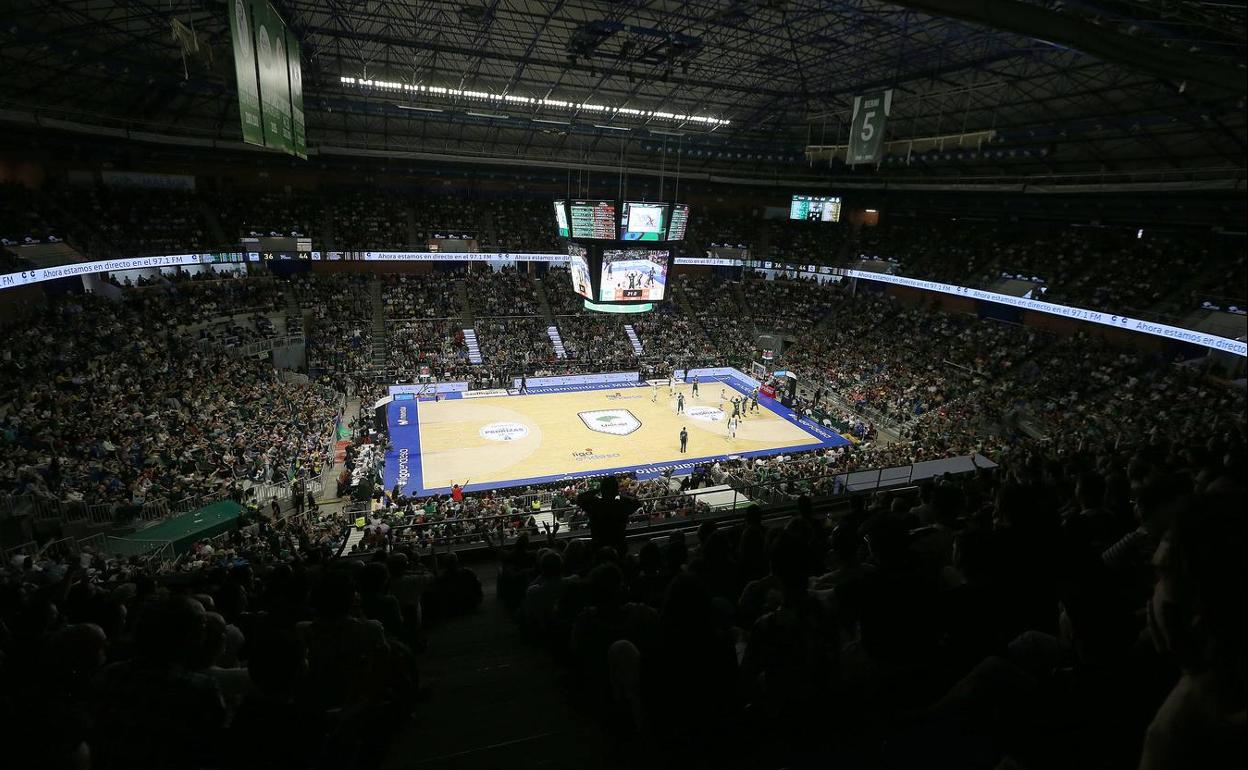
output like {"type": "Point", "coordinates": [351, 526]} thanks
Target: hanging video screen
{"type": "Point", "coordinates": [633, 274]}
{"type": "Point", "coordinates": [592, 219]}
{"type": "Point", "coordinates": [578, 265]}
{"type": "Point", "coordinates": [642, 221]}
{"type": "Point", "coordinates": [678, 223]}
{"type": "Point", "coordinates": [561, 219]}
{"type": "Point", "coordinates": [815, 208]}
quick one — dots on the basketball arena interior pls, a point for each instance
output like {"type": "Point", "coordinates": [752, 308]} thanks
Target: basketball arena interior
{"type": "Point", "coordinates": [714, 384]}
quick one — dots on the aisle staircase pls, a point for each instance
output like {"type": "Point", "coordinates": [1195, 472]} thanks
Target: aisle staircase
{"type": "Point", "coordinates": [409, 221]}
{"type": "Point", "coordinates": [355, 536]}
{"type": "Point", "coordinates": [470, 341]}
{"type": "Point", "coordinates": [486, 229]}
{"type": "Point", "coordinates": [543, 304]}
{"type": "Point", "coordinates": [634, 340]}
{"type": "Point", "coordinates": [294, 313]}
{"type": "Point", "coordinates": [379, 323]}
{"type": "Point", "coordinates": [468, 317]}
{"type": "Point", "coordinates": [215, 231]}
{"type": "Point", "coordinates": [552, 331]}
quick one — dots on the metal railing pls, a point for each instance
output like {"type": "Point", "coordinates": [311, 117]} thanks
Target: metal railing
{"type": "Point", "coordinates": [658, 511]}
{"type": "Point", "coordinates": [29, 548]}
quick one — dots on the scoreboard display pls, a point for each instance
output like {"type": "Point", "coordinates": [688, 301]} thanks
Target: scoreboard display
{"type": "Point", "coordinates": [643, 221]}
{"type": "Point", "coordinates": [638, 275]}
{"type": "Point", "coordinates": [815, 208]}
{"type": "Point", "coordinates": [578, 264]}
{"type": "Point", "coordinates": [592, 219]}
{"type": "Point", "coordinates": [678, 223]}
{"type": "Point", "coordinates": [620, 252]}
{"type": "Point", "coordinates": [561, 218]}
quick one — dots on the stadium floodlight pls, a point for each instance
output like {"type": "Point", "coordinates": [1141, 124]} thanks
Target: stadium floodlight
{"type": "Point", "coordinates": [604, 110]}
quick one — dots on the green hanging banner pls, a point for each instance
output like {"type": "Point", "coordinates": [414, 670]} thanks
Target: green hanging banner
{"type": "Point", "coordinates": [866, 130]}
{"type": "Point", "coordinates": [298, 139]}
{"type": "Point", "coordinates": [274, 78]}
{"type": "Point", "coordinates": [245, 72]}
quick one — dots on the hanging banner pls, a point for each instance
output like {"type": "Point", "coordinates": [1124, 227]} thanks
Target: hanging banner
{"type": "Point", "coordinates": [299, 141]}
{"type": "Point", "coordinates": [245, 72]}
{"type": "Point", "coordinates": [866, 131]}
{"type": "Point", "coordinates": [274, 76]}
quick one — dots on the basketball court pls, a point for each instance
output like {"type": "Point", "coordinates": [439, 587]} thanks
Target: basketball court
{"type": "Point", "coordinates": [513, 440]}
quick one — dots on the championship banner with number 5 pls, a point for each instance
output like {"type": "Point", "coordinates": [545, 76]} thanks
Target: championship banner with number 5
{"type": "Point", "coordinates": [866, 131]}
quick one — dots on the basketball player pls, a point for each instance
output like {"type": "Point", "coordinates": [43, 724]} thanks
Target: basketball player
{"type": "Point", "coordinates": [684, 439]}
{"type": "Point", "coordinates": [695, 387]}
{"type": "Point", "coordinates": [732, 427]}
{"type": "Point", "coordinates": [654, 392]}
{"type": "Point", "coordinates": [721, 399]}
{"type": "Point", "coordinates": [754, 401]}
{"type": "Point", "coordinates": [680, 403]}
{"type": "Point", "coordinates": [671, 385]}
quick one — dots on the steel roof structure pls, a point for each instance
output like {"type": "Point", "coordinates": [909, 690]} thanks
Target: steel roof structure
{"type": "Point", "coordinates": [1099, 90]}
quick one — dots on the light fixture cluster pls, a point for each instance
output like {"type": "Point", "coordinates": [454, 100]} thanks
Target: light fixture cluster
{"type": "Point", "coordinates": [599, 109]}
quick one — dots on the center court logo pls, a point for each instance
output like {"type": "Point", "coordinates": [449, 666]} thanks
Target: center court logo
{"type": "Point", "coordinates": [504, 431]}
{"type": "Point", "coordinates": [707, 413]}
{"type": "Point", "coordinates": [617, 422]}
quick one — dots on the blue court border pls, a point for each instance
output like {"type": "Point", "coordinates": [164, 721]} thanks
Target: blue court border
{"type": "Point", "coordinates": [407, 437]}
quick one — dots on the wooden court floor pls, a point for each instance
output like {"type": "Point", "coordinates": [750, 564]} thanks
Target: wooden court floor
{"type": "Point", "coordinates": [522, 439]}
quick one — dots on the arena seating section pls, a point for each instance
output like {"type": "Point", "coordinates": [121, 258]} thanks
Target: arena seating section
{"type": "Point", "coordinates": [1106, 268]}
{"type": "Point", "coordinates": [830, 630]}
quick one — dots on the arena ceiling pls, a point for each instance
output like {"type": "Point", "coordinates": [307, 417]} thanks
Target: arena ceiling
{"type": "Point", "coordinates": [1104, 90]}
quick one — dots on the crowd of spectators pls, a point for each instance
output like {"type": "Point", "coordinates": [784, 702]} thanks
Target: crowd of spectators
{"type": "Point", "coordinates": [805, 243]}
{"type": "Point", "coordinates": [560, 297]}
{"type": "Point", "coordinates": [23, 219]}
{"type": "Point", "coordinates": [901, 362]}
{"type": "Point", "coordinates": [596, 342]}
{"type": "Point", "coordinates": [254, 650]}
{"type": "Point", "coordinates": [671, 340]}
{"type": "Point", "coordinates": [122, 221]}
{"type": "Point", "coordinates": [514, 343]}
{"type": "Point", "coordinates": [430, 295]}
{"type": "Point", "coordinates": [788, 307]}
{"type": "Point", "coordinates": [445, 216]}
{"type": "Point", "coordinates": [339, 317]}
{"type": "Point", "coordinates": [521, 226]}
{"type": "Point", "coordinates": [1027, 616]}
{"type": "Point", "coordinates": [366, 220]}
{"type": "Point", "coordinates": [708, 228]}
{"type": "Point", "coordinates": [248, 213]}
{"type": "Point", "coordinates": [427, 347]}
{"type": "Point", "coordinates": [715, 308]}
{"type": "Point", "coordinates": [1105, 268]}
{"type": "Point", "coordinates": [505, 292]}
{"type": "Point", "coordinates": [106, 402]}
